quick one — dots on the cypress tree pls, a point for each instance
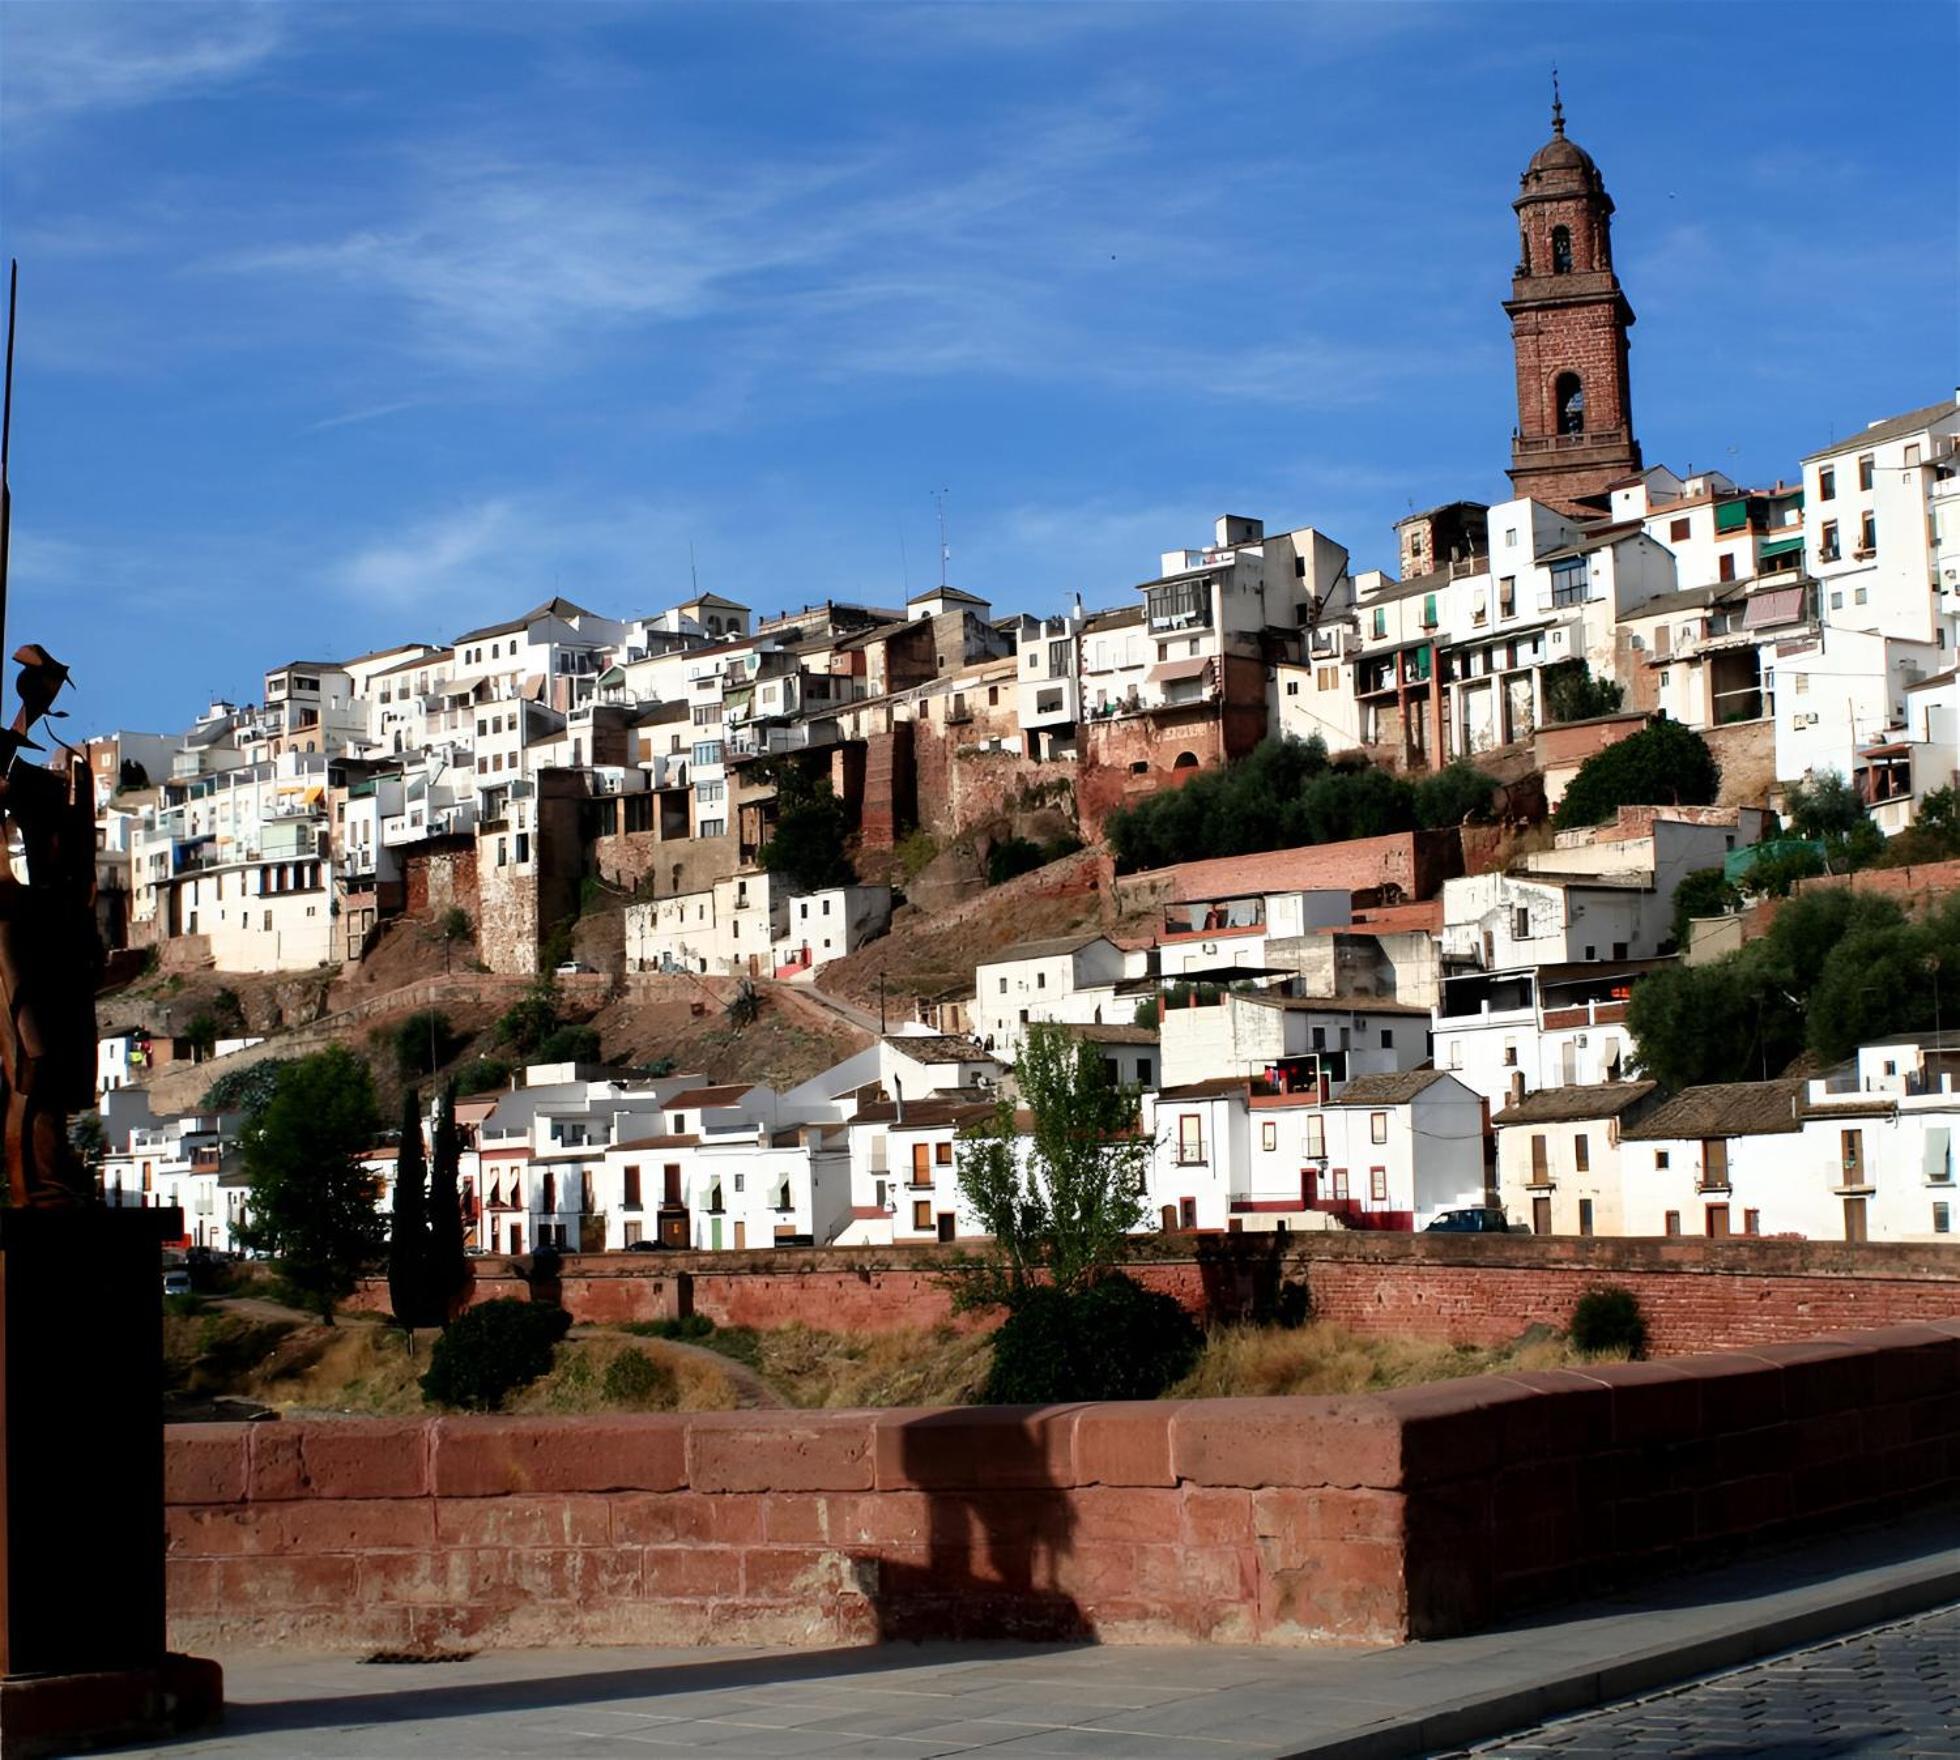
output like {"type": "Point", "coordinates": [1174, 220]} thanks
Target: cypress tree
{"type": "Point", "coordinates": [409, 1283]}
{"type": "Point", "coordinates": [448, 1267]}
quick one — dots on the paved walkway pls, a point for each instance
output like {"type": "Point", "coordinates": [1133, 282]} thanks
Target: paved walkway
{"type": "Point", "coordinates": [1005, 1701]}
{"type": "Point", "coordinates": [1895, 1690]}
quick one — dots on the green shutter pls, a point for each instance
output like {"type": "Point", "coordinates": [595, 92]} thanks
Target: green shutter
{"type": "Point", "coordinates": [1732, 516]}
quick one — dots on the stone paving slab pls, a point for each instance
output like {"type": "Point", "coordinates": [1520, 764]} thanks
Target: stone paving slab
{"type": "Point", "coordinates": [1201, 1702]}
{"type": "Point", "coordinates": [1895, 1690]}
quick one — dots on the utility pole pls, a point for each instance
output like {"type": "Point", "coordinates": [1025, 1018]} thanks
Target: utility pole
{"type": "Point", "coordinates": [881, 1004]}
{"type": "Point", "coordinates": [6, 448]}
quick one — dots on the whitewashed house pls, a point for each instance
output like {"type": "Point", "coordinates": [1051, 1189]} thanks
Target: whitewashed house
{"type": "Point", "coordinates": [1559, 1165]}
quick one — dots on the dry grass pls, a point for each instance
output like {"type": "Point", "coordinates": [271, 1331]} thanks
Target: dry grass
{"type": "Point", "coordinates": [940, 1367]}
{"type": "Point", "coordinates": [576, 1383]}
{"type": "Point", "coordinates": [1263, 1362]}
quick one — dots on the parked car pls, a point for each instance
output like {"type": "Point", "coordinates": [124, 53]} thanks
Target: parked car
{"type": "Point", "coordinates": [176, 1283]}
{"type": "Point", "coordinates": [1473, 1222]}
{"type": "Point", "coordinates": [643, 1246]}
{"type": "Point", "coordinates": [572, 967]}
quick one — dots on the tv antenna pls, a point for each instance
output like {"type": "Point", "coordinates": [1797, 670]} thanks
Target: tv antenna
{"type": "Point", "coordinates": [945, 555]}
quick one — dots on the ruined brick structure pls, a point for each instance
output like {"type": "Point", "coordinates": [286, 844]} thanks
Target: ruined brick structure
{"type": "Point", "coordinates": [1569, 323]}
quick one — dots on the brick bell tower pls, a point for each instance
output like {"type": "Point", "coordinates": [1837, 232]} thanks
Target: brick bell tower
{"type": "Point", "coordinates": [1569, 323]}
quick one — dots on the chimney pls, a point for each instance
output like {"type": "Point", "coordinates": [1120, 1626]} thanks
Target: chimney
{"type": "Point", "coordinates": [898, 1099]}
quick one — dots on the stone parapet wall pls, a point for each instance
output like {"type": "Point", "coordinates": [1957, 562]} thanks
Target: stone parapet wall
{"type": "Point", "coordinates": [1360, 1520]}
{"type": "Point", "coordinates": [1697, 1294]}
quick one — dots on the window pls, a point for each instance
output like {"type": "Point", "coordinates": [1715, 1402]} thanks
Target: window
{"type": "Point", "coordinates": [1868, 532]}
{"type": "Point", "coordinates": [1827, 484]}
{"type": "Point", "coordinates": [630, 1195]}
{"type": "Point", "coordinates": [1269, 1135]}
{"type": "Point", "coordinates": [1802, 686]}
{"type": "Point", "coordinates": [1003, 986]}
{"type": "Point", "coordinates": [1378, 1185]}
{"type": "Point", "coordinates": [1752, 1222]}
{"type": "Point", "coordinates": [1569, 403]}
{"type": "Point", "coordinates": [922, 1213]}
{"type": "Point", "coordinates": [1561, 250]}
{"type": "Point", "coordinates": [1507, 595]}
{"type": "Point", "coordinates": [1865, 471]}
{"type": "Point", "coordinates": [1726, 567]}
{"type": "Point", "coordinates": [942, 1154]}
{"type": "Point", "coordinates": [1827, 542]}
{"type": "Point", "coordinates": [1388, 1040]}
{"type": "Point", "coordinates": [1377, 1127]}
{"type": "Point", "coordinates": [1339, 1177]}
{"type": "Point", "coordinates": [1520, 923]}
{"type": "Point", "coordinates": [1585, 1215]}
{"type": "Point", "coordinates": [1569, 581]}
{"type": "Point", "coordinates": [1942, 1219]}
{"type": "Point", "coordinates": [1677, 530]}
{"type": "Point", "coordinates": [1661, 1160]}
{"type": "Point", "coordinates": [1381, 622]}
{"type": "Point", "coordinates": [1316, 1138]}
{"type": "Point", "coordinates": [1292, 687]}
{"type": "Point", "coordinates": [1190, 1139]}
{"type": "Point", "coordinates": [1187, 1213]}
{"type": "Point", "coordinates": [1673, 1222]}
{"type": "Point", "coordinates": [1582, 1153]}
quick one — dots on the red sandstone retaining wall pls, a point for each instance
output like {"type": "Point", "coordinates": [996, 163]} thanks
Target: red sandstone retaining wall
{"type": "Point", "coordinates": [1697, 1294]}
{"type": "Point", "coordinates": [1373, 1519]}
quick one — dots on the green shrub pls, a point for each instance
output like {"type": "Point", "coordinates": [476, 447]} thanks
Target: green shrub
{"type": "Point", "coordinates": [492, 1350]}
{"type": "Point", "coordinates": [1704, 893]}
{"type": "Point", "coordinates": [245, 1090]}
{"type": "Point", "coordinates": [183, 1307]}
{"type": "Point", "coordinates": [1608, 1320]}
{"type": "Point", "coordinates": [1112, 1340]}
{"type": "Point", "coordinates": [914, 850]}
{"type": "Point", "coordinates": [635, 1380]}
{"type": "Point", "coordinates": [570, 1045]}
{"type": "Point", "coordinates": [482, 1075]}
{"type": "Point", "coordinates": [1456, 793]}
{"type": "Point", "coordinates": [531, 1019]}
{"type": "Point", "coordinates": [686, 1327]}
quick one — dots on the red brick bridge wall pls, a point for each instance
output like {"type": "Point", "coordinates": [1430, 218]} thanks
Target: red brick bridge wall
{"type": "Point", "coordinates": [1697, 1294]}
{"type": "Point", "coordinates": [1370, 1519]}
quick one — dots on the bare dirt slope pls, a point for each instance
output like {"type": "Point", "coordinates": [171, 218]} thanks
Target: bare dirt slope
{"type": "Point", "coordinates": [791, 1040]}
{"type": "Point", "coordinates": [926, 954]}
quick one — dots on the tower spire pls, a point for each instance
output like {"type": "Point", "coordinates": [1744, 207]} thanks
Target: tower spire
{"type": "Point", "coordinates": [1558, 106]}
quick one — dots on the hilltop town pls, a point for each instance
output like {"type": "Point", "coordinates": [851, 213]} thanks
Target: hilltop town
{"type": "Point", "coordinates": [784, 889]}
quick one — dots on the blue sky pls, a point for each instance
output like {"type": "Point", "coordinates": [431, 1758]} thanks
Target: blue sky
{"type": "Point", "coordinates": [344, 325]}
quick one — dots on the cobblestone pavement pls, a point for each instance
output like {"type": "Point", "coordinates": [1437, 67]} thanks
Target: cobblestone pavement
{"type": "Point", "coordinates": [1894, 1690]}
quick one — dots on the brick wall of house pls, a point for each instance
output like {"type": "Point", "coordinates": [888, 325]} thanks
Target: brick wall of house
{"type": "Point", "coordinates": [441, 873]}
{"type": "Point", "coordinates": [891, 796]}
{"type": "Point", "coordinates": [1354, 1520]}
{"type": "Point", "coordinates": [1107, 777]}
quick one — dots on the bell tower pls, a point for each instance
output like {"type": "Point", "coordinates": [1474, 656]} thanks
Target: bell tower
{"type": "Point", "coordinates": [1569, 323]}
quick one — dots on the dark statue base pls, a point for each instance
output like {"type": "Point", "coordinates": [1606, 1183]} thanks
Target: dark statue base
{"type": "Point", "coordinates": [49, 1714]}
{"type": "Point", "coordinates": [83, 1658]}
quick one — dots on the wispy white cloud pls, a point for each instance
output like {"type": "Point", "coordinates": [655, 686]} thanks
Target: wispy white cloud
{"type": "Point", "coordinates": [66, 59]}
{"type": "Point", "coordinates": [372, 413]}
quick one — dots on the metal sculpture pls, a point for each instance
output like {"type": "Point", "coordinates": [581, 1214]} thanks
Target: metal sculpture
{"type": "Point", "coordinates": [50, 954]}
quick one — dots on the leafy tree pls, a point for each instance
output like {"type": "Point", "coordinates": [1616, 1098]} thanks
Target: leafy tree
{"type": "Point", "coordinates": [1704, 893]}
{"type": "Point", "coordinates": [1825, 807]}
{"type": "Point", "coordinates": [455, 925]}
{"type": "Point", "coordinates": [1934, 836]}
{"type": "Point", "coordinates": [312, 1203]}
{"type": "Point", "coordinates": [1573, 694]}
{"type": "Point", "coordinates": [202, 1031]}
{"type": "Point", "coordinates": [448, 1264]}
{"type": "Point", "coordinates": [422, 1044]}
{"type": "Point", "coordinates": [1776, 870]}
{"type": "Point", "coordinates": [1664, 764]}
{"type": "Point", "coordinates": [245, 1090]}
{"type": "Point", "coordinates": [1012, 856]}
{"type": "Point", "coordinates": [86, 1135]}
{"type": "Point", "coordinates": [409, 1243]}
{"type": "Point", "coordinates": [806, 843]}
{"type": "Point", "coordinates": [1060, 1208]}
{"type": "Point", "coordinates": [1455, 794]}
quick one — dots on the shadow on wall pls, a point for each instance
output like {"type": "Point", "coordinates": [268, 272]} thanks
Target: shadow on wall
{"type": "Point", "coordinates": [987, 1544]}
{"type": "Point", "coordinates": [1243, 1278]}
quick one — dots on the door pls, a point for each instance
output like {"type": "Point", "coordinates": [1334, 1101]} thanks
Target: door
{"type": "Point", "coordinates": [946, 1225]}
{"type": "Point", "coordinates": [922, 1164]}
{"type": "Point", "coordinates": [741, 1235]}
{"type": "Point", "coordinates": [1541, 1162]}
{"type": "Point", "coordinates": [714, 1231]}
{"type": "Point", "coordinates": [517, 1237]}
{"type": "Point", "coordinates": [1169, 1219]}
{"type": "Point", "coordinates": [1854, 1219]}
{"type": "Point", "coordinates": [1541, 1216]}
{"type": "Point", "coordinates": [1718, 1222]}
{"type": "Point", "coordinates": [1854, 1160]}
